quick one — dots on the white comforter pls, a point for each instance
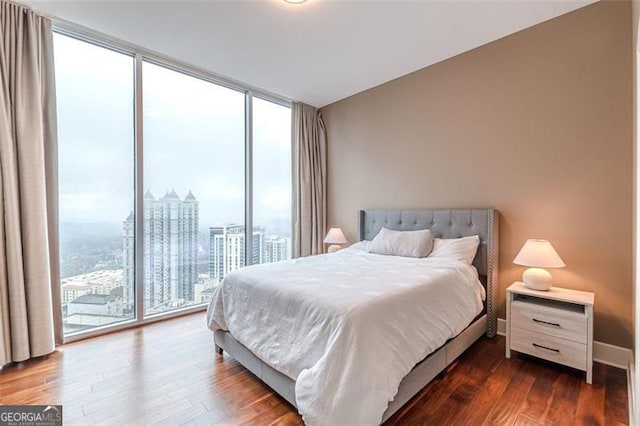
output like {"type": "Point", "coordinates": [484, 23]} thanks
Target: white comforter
{"type": "Point", "coordinates": [346, 326]}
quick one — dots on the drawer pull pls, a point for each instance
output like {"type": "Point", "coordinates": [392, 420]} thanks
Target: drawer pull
{"type": "Point", "coordinates": [555, 324]}
{"type": "Point", "coordinates": [544, 347]}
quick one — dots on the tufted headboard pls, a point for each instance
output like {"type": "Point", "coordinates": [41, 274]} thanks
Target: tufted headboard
{"type": "Point", "coordinates": [448, 224]}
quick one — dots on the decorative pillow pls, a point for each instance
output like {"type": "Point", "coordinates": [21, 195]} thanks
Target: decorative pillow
{"type": "Point", "coordinates": [463, 249]}
{"type": "Point", "coordinates": [402, 243]}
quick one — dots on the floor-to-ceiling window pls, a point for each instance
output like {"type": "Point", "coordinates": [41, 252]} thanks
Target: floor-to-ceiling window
{"type": "Point", "coordinates": [152, 224]}
{"type": "Point", "coordinates": [194, 155]}
{"type": "Point", "coordinates": [272, 180]}
{"type": "Point", "coordinates": [95, 97]}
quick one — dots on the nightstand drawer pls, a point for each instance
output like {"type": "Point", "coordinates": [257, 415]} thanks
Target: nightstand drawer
{"type": "Point", "coordinates": [552, 321]}
{"type": "Point", "coordinates": [550, 348]}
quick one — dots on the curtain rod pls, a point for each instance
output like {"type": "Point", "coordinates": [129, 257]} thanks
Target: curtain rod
{"type": "Point", "coordinates": [25, 8]}
{"type": "Point", "coordinates": [28, 9]}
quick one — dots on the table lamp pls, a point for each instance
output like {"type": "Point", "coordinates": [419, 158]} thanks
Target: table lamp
{"type": "Point", "coordinates": [335, 237]}
{"type": "Point", "coordinates": [538, 254]}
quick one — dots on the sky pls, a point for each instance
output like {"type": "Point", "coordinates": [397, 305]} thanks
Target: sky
{"type": "Point", "coordinates": [193, 140]}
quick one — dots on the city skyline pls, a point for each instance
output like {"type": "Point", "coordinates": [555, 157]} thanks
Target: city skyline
{"type": "Point", "coordinates": [98, 241]}
{"type": "Point", "coordinates": [171, 260]}
{"type": "Point", "coordinates": [227, 249]}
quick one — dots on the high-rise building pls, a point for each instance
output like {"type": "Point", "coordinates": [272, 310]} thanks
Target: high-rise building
{"type": "Point", "coordinates": [170, 250]}
{"type": "Point", "coordinates": [216, 253]}
{"type": "Point", "coordinates": [128, 238]}
{"type": "Point", "coordinates": [227, 249]}
{"type": "Point", "coordinates": [275, 249]}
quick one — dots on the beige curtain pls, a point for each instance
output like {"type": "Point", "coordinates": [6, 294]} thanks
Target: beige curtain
{"type": "Point", "coordinates": [27, 153]}
{"type": "Point", "coordinates": [309, 180]}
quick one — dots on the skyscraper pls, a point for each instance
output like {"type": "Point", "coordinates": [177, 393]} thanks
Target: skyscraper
{"type": "Point", "coordinates": [128, 238]}
{"type": "Point", "coordinates": [275, 249]}
{"type": "Point", "coordinates": [170, 249]}
{"type": "Point", "coordinates": [216, 253]}
{"type": "Point", "coordinates": [227, 249]}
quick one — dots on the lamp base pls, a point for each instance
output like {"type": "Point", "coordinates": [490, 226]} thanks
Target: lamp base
{"type": "Point", "coordinates": [537, 279]}
{"type": "Point", "coordinates": [333, 248]}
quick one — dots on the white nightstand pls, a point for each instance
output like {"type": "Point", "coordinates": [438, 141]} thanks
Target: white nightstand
{"type": "Point", "coordinates": [556, 325]}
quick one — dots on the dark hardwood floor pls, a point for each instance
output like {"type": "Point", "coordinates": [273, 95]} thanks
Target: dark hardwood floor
{"type": "Point", "coordinates": [168, 374]}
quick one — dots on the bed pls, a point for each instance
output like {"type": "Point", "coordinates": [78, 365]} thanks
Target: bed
{"type": "Point", "coordinates": [336, 386]}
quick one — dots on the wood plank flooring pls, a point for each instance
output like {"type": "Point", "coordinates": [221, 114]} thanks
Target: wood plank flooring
{"type": "Point", "coordinates": [168, 374]}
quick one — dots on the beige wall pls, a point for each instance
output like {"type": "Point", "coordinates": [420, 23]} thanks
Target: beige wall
{"type": "Point", "coordinates": [537, 125]}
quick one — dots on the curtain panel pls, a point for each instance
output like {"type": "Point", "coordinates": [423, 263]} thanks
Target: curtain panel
{"type": "Point", "coordinates": [29, 274]}
{"type": "Point", "coordinates": [309, 180]}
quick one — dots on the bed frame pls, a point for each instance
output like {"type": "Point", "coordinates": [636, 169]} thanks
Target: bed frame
{"type": "Point", "coordinates": [444, 224]}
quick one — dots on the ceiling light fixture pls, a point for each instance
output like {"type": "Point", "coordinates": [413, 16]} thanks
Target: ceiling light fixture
{"type": "Point", "coordinates": [295, 1]}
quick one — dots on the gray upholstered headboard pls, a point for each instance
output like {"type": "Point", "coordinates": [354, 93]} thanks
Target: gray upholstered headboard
{"type": "Point", "coordinates": [448, 224]}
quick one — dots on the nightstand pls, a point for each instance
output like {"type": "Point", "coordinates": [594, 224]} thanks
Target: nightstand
{"type": "Point", "coordinates": [556, 325]}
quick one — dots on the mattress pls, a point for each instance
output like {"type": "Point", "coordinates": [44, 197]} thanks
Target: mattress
{"type": "Point", "coordinates": [346, 326]}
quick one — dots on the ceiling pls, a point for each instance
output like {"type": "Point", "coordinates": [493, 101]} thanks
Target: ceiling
{"type": "Point", "coordinates": [318, 52]}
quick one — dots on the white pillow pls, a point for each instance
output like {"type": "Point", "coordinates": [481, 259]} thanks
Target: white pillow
{"type": "Point", "coordinates": [402, 243]}
{"type": "Point", "coordinates": [463, 249]}
{"type": "Point", "coordinates": [361, 245]}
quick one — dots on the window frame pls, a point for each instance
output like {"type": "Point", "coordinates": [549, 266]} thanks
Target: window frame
{"type": "Point", "coordinates": [140, 55]}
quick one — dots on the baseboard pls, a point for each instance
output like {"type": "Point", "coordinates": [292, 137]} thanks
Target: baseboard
{"type": "Point", "coordinates": [603, 353]}
{"type": "Point", "coordinates": [615, 356]}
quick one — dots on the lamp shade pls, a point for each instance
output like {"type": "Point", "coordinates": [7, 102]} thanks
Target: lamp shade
{"type": "Point", "coordinates": [335, 236]}
{"type": "Point", "coordinates": [539, 254]}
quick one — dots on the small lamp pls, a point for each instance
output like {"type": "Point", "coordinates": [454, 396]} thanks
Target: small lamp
{"type": "Point", "coordinates": [538, 254]}
{"type": "Point", "coordinates": [335, 237]}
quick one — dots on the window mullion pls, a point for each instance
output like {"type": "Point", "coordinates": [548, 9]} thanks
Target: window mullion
{"type": "Point", "coordinates": [248, 215]}
{"type": "Point", "coordinates": [139, 191]}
